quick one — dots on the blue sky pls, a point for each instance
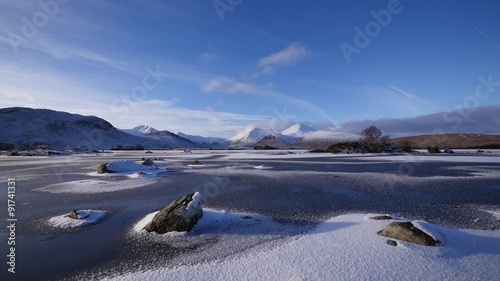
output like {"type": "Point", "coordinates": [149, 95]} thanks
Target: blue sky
{"type": "Point", "coordinates": [212, 67]}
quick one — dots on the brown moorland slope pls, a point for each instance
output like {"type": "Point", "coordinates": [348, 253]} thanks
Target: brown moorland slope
{"type": "Point", "coordinates": [471, 141]}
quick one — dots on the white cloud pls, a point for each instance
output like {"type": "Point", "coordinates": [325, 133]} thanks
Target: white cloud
{"type": "Point", "coordinates": [288, 56]}
{"type": "Point", "coordinates": [227, 85]}
{"type": "Point", "coordinates": [61, 92]}
{"type": "Point", "coordinates": [63, 52]}
{"type": "Point", "coordinates": [403, 101]}
{"type": "Point", "coordinates": [209, 57]}
{"type": "Point", "coordinates": [166, 115]}
{"type": "Point", "coordinates": [366, 100]}
{"type": "Point", "coordinates": [412, 97]}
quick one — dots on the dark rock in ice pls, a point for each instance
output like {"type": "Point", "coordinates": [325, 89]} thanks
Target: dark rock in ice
{"type": "Point", "coordinates": [148, 162]}
{"type": "Point", "coordinates": [392, 242]}
{"type": "Point", "coordinates": [197, 162]}
{"type": "Point", "coordinates": [103, 169]}
{"type": "Point", "coordinates": [74, 215]}
{"type": "Point", "coordinates": [180, 215]}
{"type": "Point", "coordinates": [380, 218]}
{"type": "Point", "coordinates": [406, 231]}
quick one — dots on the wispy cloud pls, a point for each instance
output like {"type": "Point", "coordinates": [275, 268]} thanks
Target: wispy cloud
{"type": "Point", "coordinates": [209, 57]}
{"type": "Point", "coordinates": [487, 37]}
{"type": "Point", "coordinates": [45, 90]}
{"type": "Point", "coordinates": [386, 100]}
{"type": "Point", "coordinates": [167, 115]}
{"type": "Point", "coordinates": [411, 101]}
{"type": "Point", "coordinates": [226, 84]}
{"type": "Point", "coordinates": [63, 51]}
{"type": "Point", "coordinates": [288, 56]}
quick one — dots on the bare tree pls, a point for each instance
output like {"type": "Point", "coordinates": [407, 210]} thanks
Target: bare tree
{"type": "Point", "coordinates": [372, 140]}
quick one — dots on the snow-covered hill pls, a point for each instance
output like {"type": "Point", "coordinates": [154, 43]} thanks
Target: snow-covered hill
{"type": "Point", "coordinates": [140, 130]}
{"type": "Point", "coordinates": [298, 130]}
{"type": "Point", "coordinates": [298, 134]}
{"type": "Point", "coordinates": [205, 141]}
{"type": "Point", "coordinates": [251, 135]}
{"type": "Point", "coordinates": [61, 130]}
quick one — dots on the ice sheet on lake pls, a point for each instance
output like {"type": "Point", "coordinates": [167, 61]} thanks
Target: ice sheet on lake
{"type": "Point", "coordinates": [96, 186]}
{"type": "Point", "coordinates": [88, 217]}
{"type": "Point", "coordinates": [131, 169]}
{"type": "Point", "coordinates": [440, 158]}
{"type": "Point", "coordinates": [262, 167]}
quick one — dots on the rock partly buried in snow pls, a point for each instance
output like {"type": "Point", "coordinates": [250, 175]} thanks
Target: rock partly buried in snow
{"type": "Point", "coordinates": [406, 231]}
{"type": "Point", "coordinates": [197, 163]}
{"type": "Point", "coordinates": [103, 169]}
{"type": "Point", "coordinates": [148, 162]}
{"type": "Point", "coordinates": [128, 166]}
{"type": "Point", "coordinates": [180, 215]}
{"type": "Point", "coordinates": [74, 215]}
{"type": "Point", "coordinates": [76, 218]}
{"type": "Point", "coordinates": [392, 242]}
{"type": "Point", "coordinates": [380, 218]}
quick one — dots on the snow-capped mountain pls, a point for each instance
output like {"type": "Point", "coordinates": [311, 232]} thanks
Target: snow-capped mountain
{"type": "Point", "coordinates": [140, 130]}
{"type": "Point", "coordinates": [298, 130]}
{"type": "Point", "coordinates": [152, 133]}
{"type": "Point", "coordinates": [61, 130]}
{"type": "Point", "coordinates": [298, 134]}
{"type": "Point", "coordinates": [205, 141]}
{"type": "Point", "coordinates": [251, 135]}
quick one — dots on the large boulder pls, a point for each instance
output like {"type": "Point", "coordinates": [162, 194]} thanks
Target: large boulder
{"type": "Point", "coordinates": [180, 215]}
{"type": "Point", "coordinates": [103, 169]}
{"type": "Point", "coordinates": [406, 231]}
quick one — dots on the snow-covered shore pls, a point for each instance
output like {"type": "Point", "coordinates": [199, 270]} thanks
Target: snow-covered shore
{"type": "Point", "coordinates": [348, 248]}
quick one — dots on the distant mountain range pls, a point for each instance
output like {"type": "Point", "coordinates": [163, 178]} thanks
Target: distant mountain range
{"type": "Point", "coordinates": [140, 130]}
{"type": "Point", "coordinates": [25, 127]}
{"type": "Point", "coordinates": [150, 132]}
{"type": "Point", "coordinates": [206, 141]}
{"type": "Point", "coordinates": [297, 135]}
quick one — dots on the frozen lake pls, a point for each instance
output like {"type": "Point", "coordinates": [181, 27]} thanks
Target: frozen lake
{"type": "Point", "coordinates": [288, 194]}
